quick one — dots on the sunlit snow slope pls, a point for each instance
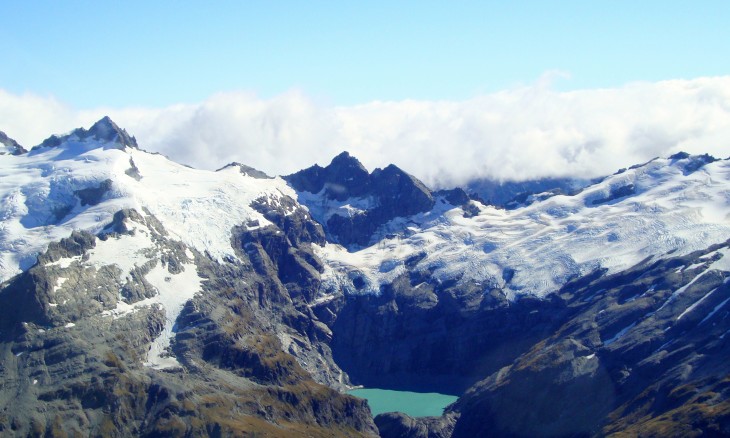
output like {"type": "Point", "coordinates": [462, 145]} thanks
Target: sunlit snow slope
{"type": "Point", "coordinates": [197, 207]}
{"type": "Point", "coordinates": [81, 183]}
{"type": "Point", "coordinates": [667, 205]}
{"type": "Point", "coordinates": [673, 205]}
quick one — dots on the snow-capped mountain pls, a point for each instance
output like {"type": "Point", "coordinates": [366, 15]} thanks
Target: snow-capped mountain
{"type": "Point", "coordinates": [81, 181]}
{"type": "Point", "coordinates": [8, 146]}
{"type": "Point", "coordinates": [671, 206]}
{"type": "Point", "coordinates": [515, 194]}
{"type": "Point", "coordinates": [202, 294]}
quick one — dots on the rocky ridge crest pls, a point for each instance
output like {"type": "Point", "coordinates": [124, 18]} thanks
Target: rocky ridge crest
{"type": "Point", "coordinates": [104, 130]}
{"type": "Point", "coordinates": [94, 340]}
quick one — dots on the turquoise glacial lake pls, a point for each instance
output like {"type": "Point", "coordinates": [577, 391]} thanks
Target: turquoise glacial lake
{"type": "Point", "coordinates": [415, 404]}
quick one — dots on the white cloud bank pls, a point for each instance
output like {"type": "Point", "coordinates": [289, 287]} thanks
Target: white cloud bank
{"type": "Point", "coordinates": [520, 133]}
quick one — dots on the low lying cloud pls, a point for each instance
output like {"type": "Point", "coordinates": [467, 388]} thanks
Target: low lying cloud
{"type": "Point", "coordinates": [521, 133]}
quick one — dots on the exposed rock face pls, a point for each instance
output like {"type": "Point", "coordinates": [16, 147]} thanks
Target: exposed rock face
{"type": "Point", "coordinates": [615, 194]}
{"type": "Point", "coordinates": [132, 332]}
{"type": "Point", "coordinates": [282, 256]}
{"type": "Point", "coordinates": [343, 178]}
{"type": "Point", "coordinates": [641, 352]}
{"type": "Point", "coordinates": [247, 170]}
{"type": "Point", "coordinates": [692, 163]}
{"type": "Point", "coordinates": [386, 193]}
{"type": "Point", "coordinates": [454, 197]}
{"type": "Point", "coordinates": [105, 130]}
{"type": "Point", "coordinates": [10, 146]}
{"type": "Point", "coordinates": [133, 171]}
{"type": "Point", "coordinates": [65, 372]}
{"type": "Point", "coordinates": [424, 336]}
{"type": "Point", "coordinates": [93, 195]}
{"type": "Point", "coordinates": [399, 425]}
{"type": "Point", "coordinates": [636, 357]}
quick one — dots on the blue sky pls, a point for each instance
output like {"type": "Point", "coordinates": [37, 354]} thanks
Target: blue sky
{"type": "Point", "coordinates": [157, 53]}
{"type": "Point", "coordinates": [449, 91]}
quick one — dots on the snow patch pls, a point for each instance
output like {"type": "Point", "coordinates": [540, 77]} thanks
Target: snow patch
{"type": "Point", "coordinates": [681, 290]}
{"type": "Point", "coordinates": [711, 314]}
{"type": "Point", "coordinates": [59, 283]}
{"type": "Point", "coordinates": [619, 335]}
{"type": "Point", "coordinates": [126, 251]}
{"type": "Point", "coordinates": [723, 264]}
{"type": "Point", "coordinates": [545, 244]}
{"type": "Point", "coordinates": [323, 208]}
{"type": "Point", "coordinates": [174, 292]}
{"type": "Point", "coordinates": [38, 204]}
{"type": "Point", "coordinates": [65, 262]}
{"type": "Point", "coordinates": [694, 305]}
{"type": "Point", "coordinates": [551, 242]}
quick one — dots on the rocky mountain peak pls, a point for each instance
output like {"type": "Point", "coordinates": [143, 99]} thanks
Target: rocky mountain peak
{"type": "Point", "coordinates": [235, 308]}
{"type": "Point", "coordinates": [343, 178]}
{"type": "Point", "coordinates": [104, 130]}
{"type": "Point", "coordinates": [690, 163]}
{"type": "Point", "coordinates": [346, 161]}
{"type": "Point", "coordinates": [246, 170]}
{"type": "Point", "coordinates": [401, 190]}
{"type": "Point", "coordinates": [384, 194]}
{"type": "Point", "coordinates": [10, 146]}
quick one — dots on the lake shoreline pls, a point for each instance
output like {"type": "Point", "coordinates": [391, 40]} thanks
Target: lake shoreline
{"type": "Point", "coordinates": [414, 404]}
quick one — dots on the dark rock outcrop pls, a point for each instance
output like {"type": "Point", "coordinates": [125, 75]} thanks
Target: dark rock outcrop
{"type": "Point", "coordinates": [133, 170]}
{"type": "Point", "coordinates": [246, 170]}
{"type": "Point", "coordinates": [283, 250]}
{"type": "Point", "coordinates": [387, 194]}
{"type": "Point", "coordinates": [426, 336]}
{"type": "Point", "coordinates": [691, 163]}
{"type": "Point", "coordinates": [70, 369]}
{"type": "Point", "coordinates": [93, 195]}
{"type": "Point", "coordinates": [399, 425]}
{"type": "Point", "coordinates": [345, 177]}
{"type": "Point", "coordinates": [615, 194]}
{"type": "Point", "coordinates": [104, 130]}
{"type": "Point", "coordinates": [456, 197]}
{"type": "Point", "coordinates": [641, 354]}
{"type": "Point", "coordinates": [11, 146]}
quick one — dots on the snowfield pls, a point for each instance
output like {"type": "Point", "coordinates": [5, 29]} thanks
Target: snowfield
{"type": "Point", "coordinates": [197, 207]}
{"type": "Point", "coordinates": [537, 249]}
{"type": "Point", "coordinates": [41, 201]}
{"type": "Point", "coordinates": [645, 212]}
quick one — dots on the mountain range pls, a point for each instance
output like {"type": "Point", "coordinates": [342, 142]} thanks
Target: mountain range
{"type": "Point", "coordinates": [142, 297]}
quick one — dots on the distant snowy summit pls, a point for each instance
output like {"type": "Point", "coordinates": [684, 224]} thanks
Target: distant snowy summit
{"type": "Point", "coordinates": [377, 223]}
{"type": "Point", "coordinates": [353, 203]}
{"type": "Point", "coordinates": [8, 146]}
{"type": "Point", "coordinates": [104, 131]}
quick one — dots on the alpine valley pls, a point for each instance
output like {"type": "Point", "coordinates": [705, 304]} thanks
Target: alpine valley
{"type": "Point", "coordinates": [142, 297]}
